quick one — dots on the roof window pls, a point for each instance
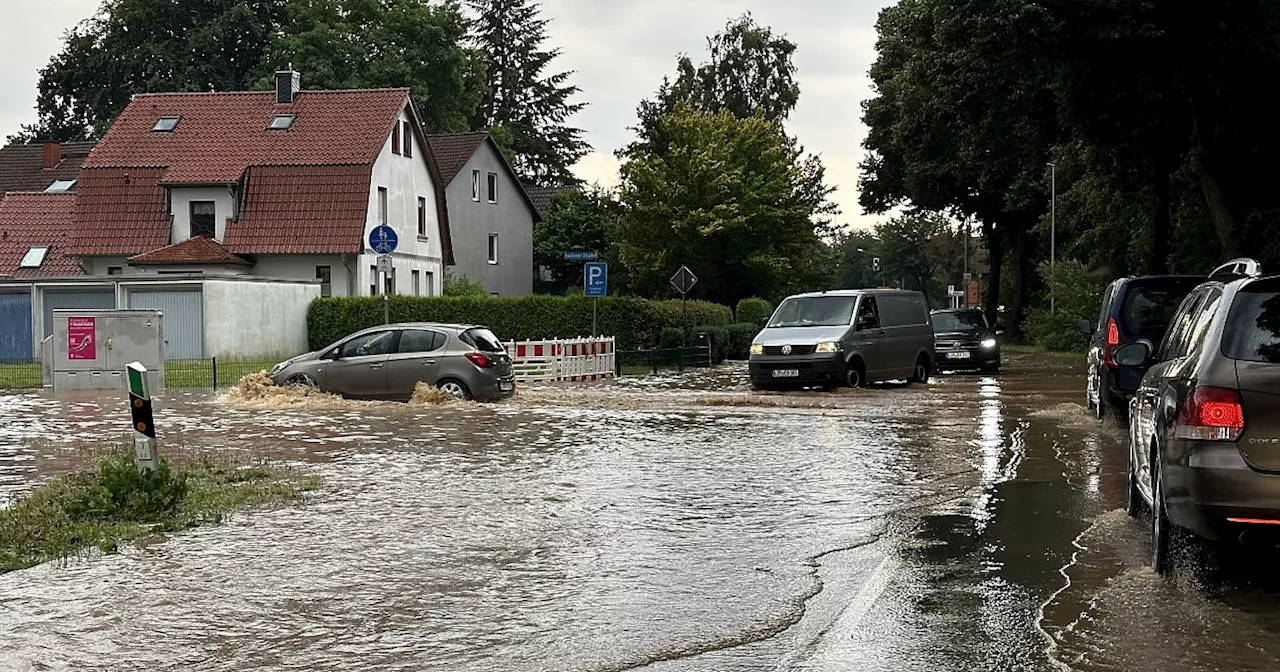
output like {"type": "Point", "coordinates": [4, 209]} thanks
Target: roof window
{"type": "Point", "coordinates": [61, 185]}
{"type": "Point", "coordinates": [34, 258]}
{"type": "Point", "coordinates": [166, 124]}
{"type": "Point", "coordinates": [282, 122]}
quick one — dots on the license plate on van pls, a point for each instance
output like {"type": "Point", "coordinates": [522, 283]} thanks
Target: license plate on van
{"type": "Point", "coordinates": [786, 373]}
{"type": "Point", "coordinates": [957, 355]}
{"type": "Point", "coordinates": [506, 387]}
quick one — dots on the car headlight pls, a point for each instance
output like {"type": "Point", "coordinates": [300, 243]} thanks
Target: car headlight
{"type": "Point", "coordinates": [829, 346]}
{"type": "Point", "coordinates": [278, 368]}
{"type": "Point", "coordinates": [989, 343]}
{"type": "Point", "coordinates": [757, 349]}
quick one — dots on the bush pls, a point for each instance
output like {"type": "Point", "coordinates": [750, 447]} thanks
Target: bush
{"type": "Point", "coordinates": [1077, 294]}
{"type": "Point", "coordinates": [719, 337]}
{"type": "Point", "coordinates": [119, 491]}
{"type": "Point", "coordinates": [752, 311]}
{"type": "Point", "coordinates": [740, 337]}
{"type": "Point", "coordinates": [636, 323]}
{"type": "Point", "coordinates": [461, 285]}
{"type": "Point", "coordinates": [671, 337]}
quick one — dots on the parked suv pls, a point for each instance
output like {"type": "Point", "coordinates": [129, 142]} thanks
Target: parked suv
{"type": "Point", "coordinates": [849, 337]}
{"type": "Point", "coordinates": [1204, 445]}
{"type": "Point", "coordinates": [388, 362]}
{"type": "Point", "coordinates": [965, 339]}
{"type": "Point", "coordinates": [1133, 309]}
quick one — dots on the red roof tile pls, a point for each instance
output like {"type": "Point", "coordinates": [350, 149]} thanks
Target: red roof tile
{"type": "Point", "coordinates": [452, 151]}
{"type": "Point", "coordinates": [331, 200]}
{"type": "Point", "coordinates": [221, 134]}
{"type": "Point", "coordinates": [119, 211]}
{"type": "Point", "coordinates": [196, 251]}
{"type": "Point", "coordinates": [36, 220]}
{"type": "Point", "coordinates": [22, 166]}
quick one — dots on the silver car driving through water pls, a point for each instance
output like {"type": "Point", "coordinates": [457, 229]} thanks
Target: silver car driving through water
{"type": "Point", "coordinates": [388, 362]}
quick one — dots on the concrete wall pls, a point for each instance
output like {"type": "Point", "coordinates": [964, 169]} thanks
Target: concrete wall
{"type": "Point", "coordinates": [303, 267]}
{"type": "Point", "coordinates": [473, 221]}
{"type": "Point", "coordinates": [406, 180]}
{"type": "Point", "coordinates": [256, 320]}
{"type": "Point", "coordinates": [224, 199]}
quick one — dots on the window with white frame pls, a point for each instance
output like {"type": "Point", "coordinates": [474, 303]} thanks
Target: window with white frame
{"type": "Point", "coordinates": [382, 205]}
{"type": "Point", "coordinates": [475, 186]}
{"type": "Point", "coordinates": [493, 248]}
{"type": "Point", "coordinates": [493, 187]}
{"type": "Point", "coordinates": [417, 283]}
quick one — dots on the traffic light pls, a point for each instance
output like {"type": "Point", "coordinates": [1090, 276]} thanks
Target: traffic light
{"type": "Point", "coordinates": [875, 264]}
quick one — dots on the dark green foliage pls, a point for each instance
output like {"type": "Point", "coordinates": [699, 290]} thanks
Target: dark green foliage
{"type": "Point", "coordinates": [634, 322]}
{"type": "Point", "coordinates": [461, 285]}
{"type": "Point", "coordinates": [1077, 294]}
{"type": "Point", "coordinates": [671, 337]}
{"type": "Point", "coordinates": [584, 221]}
{"type": "Point", "coordinates": [119, 491]}
{"type": "Point", "coordinates": [752, 311]}
{"type": "Point", "coordinates": [716, 336]}
{"type": "Point", "coordinates": [740, 337]}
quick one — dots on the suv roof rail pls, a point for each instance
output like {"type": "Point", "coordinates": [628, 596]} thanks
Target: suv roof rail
{"type": "Point", "coordinates": [1243, 267]}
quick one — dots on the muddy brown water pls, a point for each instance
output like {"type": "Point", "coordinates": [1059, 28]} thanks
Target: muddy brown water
{"type": "Point", "coordinates": [677, 522]}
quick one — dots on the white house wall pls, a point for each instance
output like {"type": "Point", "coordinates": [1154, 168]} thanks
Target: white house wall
{"type": "Point", "coordinates": [180, 199]}
{"type": "Point", "coordinates": [303, 267]}
{"type": "Point", "coordinates": [256, 320]}
{"type": "Point", "coordinates": [406, 180]}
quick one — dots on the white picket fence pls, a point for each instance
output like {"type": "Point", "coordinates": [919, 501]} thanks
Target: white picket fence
{"type": "Point", "coordinates": [576, 360]}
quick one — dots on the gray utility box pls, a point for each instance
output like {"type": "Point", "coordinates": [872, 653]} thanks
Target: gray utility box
{"type": "Point", "coordinates": [91, 348]}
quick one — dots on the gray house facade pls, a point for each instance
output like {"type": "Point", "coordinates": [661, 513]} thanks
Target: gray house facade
{"type": "Point", "coordinates": [491, 217]}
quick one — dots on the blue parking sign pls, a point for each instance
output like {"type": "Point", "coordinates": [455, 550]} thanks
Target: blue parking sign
{"type": "Point", "coordinates": [595, 279]}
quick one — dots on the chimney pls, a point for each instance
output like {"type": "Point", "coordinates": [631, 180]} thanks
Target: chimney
{"type": "Point", "coordinates": [288, 83]}
{"type": "Point", "coordinates": [52, 155]}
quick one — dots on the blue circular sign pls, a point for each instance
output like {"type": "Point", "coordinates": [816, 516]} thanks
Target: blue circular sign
{"type": "Point", "coordinates": [383, 239]}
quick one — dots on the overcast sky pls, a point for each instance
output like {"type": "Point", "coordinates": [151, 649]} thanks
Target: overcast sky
{"type": "Point", "coordinates": [620, 51]}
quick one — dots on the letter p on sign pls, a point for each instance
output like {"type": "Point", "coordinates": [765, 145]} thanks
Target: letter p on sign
{"type": "Point", "coordinates": [595, 279]}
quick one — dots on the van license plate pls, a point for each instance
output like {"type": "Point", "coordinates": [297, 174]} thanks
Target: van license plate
{"type": "Point", "coordinates": [506, 387]}
{"type": "Point", "coordinates": [957, 355]}
{"type": "Point", "coordinates": [786, 373]}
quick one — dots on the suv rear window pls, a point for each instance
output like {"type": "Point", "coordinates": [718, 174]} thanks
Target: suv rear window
{"type": "Point", "coordinates": [1148, 309]}
{"type": "Point", "coordinates": [482, 340]}
{"type": "Point", "coordinates": [1252, 332]}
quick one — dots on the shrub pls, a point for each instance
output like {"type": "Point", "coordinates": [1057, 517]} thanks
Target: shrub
{"type": "Point", "coordinates": [1077, 294]}
{"type": "Point", "coordinates": [634, 322]}
{"type": "Point", "coordinates": [461, 285]}
{"type": "Point", "coordinates": [740, 337]}
{"type": "Point", "coordinates": [719, 337]}
{"type": "Point", "coordinates": [119, 491]}
{"type": "Point", "coordinates": [752, 311]}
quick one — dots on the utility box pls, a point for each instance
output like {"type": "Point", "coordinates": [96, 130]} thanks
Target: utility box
{"type": "Point", "coordinates": [91, 348]}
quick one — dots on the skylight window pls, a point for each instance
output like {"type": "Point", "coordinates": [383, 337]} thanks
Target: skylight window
{"type": "Point", "coordinates": [166, 124]}
{"type": "Point", "coordinates": [282, 122]}
{"type": "Point", "coordinates": [34, 258]}
{"type": "Point", "coordinates": [61, 185]}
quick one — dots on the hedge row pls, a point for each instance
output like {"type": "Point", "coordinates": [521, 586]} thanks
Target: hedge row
{"type": "Point", "coordinates": [636, 323]}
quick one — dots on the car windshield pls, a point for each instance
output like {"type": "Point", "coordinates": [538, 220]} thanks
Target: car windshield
{"type": "Point", "coordinates": [482, 340]}
{"type": "Point", "coordinates": [969, 320]}
{"type": "Point", "coordinates": [1252, 332]}
{"type": "Point", "coordinates": [815, 311]}
{"type": "Point", "coordinates": [1149, 309]}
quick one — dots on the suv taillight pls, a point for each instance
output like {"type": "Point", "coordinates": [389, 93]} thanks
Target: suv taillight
{"type": "Point", "coordinates": [480, 360]}
{"type": "Point", "coordinates": [1113, 341]}
{"type": "Point", "coordinates": [1211, 414]}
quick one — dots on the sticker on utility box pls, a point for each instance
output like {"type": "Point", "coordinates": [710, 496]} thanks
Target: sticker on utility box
{"type": "Point", "coordinates": [82, 338]}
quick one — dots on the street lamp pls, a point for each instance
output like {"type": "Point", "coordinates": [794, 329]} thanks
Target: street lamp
{"type": "Point", "coordinates": [1053, 224]}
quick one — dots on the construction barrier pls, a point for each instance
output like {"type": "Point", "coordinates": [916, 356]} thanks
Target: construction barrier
{"type": "Point", "coordinates": [577, 360]}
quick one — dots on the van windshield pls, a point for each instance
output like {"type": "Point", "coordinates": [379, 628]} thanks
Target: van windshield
{"type": "Point", "coordinates": [815, 311]}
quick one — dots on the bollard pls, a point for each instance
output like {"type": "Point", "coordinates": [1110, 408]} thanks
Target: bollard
{"type": "Point", "coordinates": [144, 429]}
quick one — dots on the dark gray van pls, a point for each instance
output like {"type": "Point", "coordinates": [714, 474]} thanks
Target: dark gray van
{"type": "Point", "coordinates": [844, 337]}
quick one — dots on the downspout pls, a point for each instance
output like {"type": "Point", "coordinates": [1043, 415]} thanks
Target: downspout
{"type": "Point", "coordinates": [347, 261]}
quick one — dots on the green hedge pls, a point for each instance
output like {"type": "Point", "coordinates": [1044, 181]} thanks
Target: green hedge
{"type": "Point", "coordinates": [753, 311]}
{"type": "Point", "coordinates": [740, 337]}
{"type": "Point", "coordinates": [635, 322]}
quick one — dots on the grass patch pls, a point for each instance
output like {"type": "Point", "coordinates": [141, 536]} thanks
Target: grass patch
{"type": "Point", "coordinates": [1040, 351]}
{"type": "Point", "coordinates": [112, 504]}
{"type": "Point", "coordinates": [23, 376]}
{"type": "Point", "coordinates": [177, 374]}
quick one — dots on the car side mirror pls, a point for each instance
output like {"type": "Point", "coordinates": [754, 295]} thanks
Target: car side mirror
{"type": "Point", "coordinates": [1134, 354]}
{"type": "Point", "coordinates": [1085, 327]}
{"type": "Point", "coordinates": [764, 323]}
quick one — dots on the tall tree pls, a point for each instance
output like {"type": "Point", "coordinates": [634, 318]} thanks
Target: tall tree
{"type": "Point", "coordinates": [577, 220]}
{"type": "Point", "coordinates": [734, 199]}
{"type": "Point", "coordinates": [140, 46]}
{"type": "Point", "coordinates": [749, 72]}
{"type": "Point", "coordinates": [526, 108]}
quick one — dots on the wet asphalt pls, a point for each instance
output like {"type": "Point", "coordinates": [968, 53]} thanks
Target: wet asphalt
{"type": "Point", "coordinates": [678, 522]}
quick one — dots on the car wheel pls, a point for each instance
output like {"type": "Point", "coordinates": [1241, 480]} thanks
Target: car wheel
{"type": "Point", "coordinates": [301, 380]}
{"type": "Point", "coordinates": [1133, 506]}
{"type": "Point", "coordinates": [1161, 560]}
{"type": "Point", "coordinates": [853, 375]}
{"type": "Point", "coordinates": [1100, 408]}
{"type": "Point", "coordinates": [921, 373]}
{"type": "Point", "coordinates": [455, 388]}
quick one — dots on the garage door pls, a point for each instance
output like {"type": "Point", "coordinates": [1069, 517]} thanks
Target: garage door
{"type": "Point", "coordinates": [15, 328]}
{"type": "Point", "coordinates": [183, 320]}
{"type": "Point", "coordinates": [75, 299]}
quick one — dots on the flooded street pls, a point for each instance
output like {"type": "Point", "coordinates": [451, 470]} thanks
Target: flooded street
{"type": "Point", "coordinates": [672, 523]}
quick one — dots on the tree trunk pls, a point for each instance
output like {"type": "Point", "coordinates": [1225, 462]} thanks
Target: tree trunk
{"type": "Point", "coordinates": [1161, 228]}
{"type": "Point", "coordinates": [1224, 223]}
{"type": "Point", "coordinates": [1017, 307]}
{"type": "Point", "coordinates": [995, 252]}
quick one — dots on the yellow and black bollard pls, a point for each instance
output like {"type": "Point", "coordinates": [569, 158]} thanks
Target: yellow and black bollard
{"type": "Point", "coordinates": [144, 428]}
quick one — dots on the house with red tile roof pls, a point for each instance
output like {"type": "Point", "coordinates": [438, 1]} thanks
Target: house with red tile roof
{"type": "Point", "coordinates": [44, 166]}
{"type": "Point", "coordinates": [285, 183]}
{"type": "Point", "coordinates": [491, 215]}
{"type": "Point", "coordinates": [33, 234]}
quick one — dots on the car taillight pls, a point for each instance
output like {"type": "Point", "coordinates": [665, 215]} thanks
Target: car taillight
{"type": "Point", "coordinates": [1211, 414]}
{"type": "Point", "coordinates": [480, 360]}
{"type": "Point", "coordinates": [1113, 341]}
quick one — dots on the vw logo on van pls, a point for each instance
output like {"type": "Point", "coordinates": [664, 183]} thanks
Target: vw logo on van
{"type": "Point", "coordinates": [786, 349]}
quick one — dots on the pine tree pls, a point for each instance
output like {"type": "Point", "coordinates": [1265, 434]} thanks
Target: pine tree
{"type": "Point", "coordinates": [524, 108]}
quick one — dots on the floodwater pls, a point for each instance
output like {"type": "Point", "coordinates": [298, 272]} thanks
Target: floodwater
{"type": "Point", "coordinates": [672, 523]}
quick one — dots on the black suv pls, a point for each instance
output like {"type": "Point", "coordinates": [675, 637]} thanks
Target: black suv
{"type": "Point", "coordinates": [1133, 309]}
{"type": "Point", "coordinates": [964, 339]}
{"type": "Point", "coordinates": [1204, 431]}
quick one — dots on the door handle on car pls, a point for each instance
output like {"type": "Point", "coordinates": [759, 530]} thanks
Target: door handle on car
{"type": "Point", "coordinates": [429, 362]}
{"type": "Point", "coordinates": [375, 366]}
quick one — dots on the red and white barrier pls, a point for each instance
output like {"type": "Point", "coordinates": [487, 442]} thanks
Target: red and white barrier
{"type": "Point", "coordinates": [577, 360]}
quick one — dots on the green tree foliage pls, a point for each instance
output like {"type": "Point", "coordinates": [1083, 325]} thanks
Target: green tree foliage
{"type": "Point", "coordinates": [752, 311]}
{"type": "Point", "coordinates": [525, 106]}
{"type": "Point", "coordinates": [577, 221]}
{"type": "Point", "coordinates": [734, 199]}
{"type": "Point", "coordinates": [911, 255]}
{"type": "Point", "coordinates": [1077, 292]}
{"type": "Point", "coordinates": [461, 285]}
{"type": "Point", "coordinates": [140, 46]}
{"type": "Point", "coordinates": [855, 253]}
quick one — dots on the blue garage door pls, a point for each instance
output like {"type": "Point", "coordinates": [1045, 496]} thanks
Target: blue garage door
{"type": "Point", "coordinates": [15, 328]}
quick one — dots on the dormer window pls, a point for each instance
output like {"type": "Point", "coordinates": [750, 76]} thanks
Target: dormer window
{"type": "Point", "coordinates": [166, 124]}
{"type": "Point", "coordinates": [282, 122]}
{"type": "Point", "coordinates": [202, 219]}
{"type": "Point", "coordinates": [34, 258]}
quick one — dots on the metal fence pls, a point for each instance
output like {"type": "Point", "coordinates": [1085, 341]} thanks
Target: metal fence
{"type": "Point", "coordinates": [209, 374]}
{"type": "Point", "coordinates": [640, 362]}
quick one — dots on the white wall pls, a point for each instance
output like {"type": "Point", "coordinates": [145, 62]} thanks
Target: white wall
{"type": "Point", "coordinates": [406, 180]}
{"type": "Point", "coordinates": [256, 320]}
{"type": "Point", "coordinates": [303, 267]}
{"type": "Point", "coordinates": [224, 199]}
{"type": "Point", "coordinates": [99, 265]}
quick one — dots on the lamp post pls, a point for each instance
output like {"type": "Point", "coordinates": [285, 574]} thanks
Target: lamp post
{"type": "Point", "coordinates": [1053, 225]}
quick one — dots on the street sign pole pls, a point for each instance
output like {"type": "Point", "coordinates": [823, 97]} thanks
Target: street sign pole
{"type": "Point", "coordinates": [383, 241]}
{"type": "Point", "coordinates": [683, 281]}
{"type": "Point", "coordinates": [144, 428]}
{"type": "Point", "coordinates": [595, 309]}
